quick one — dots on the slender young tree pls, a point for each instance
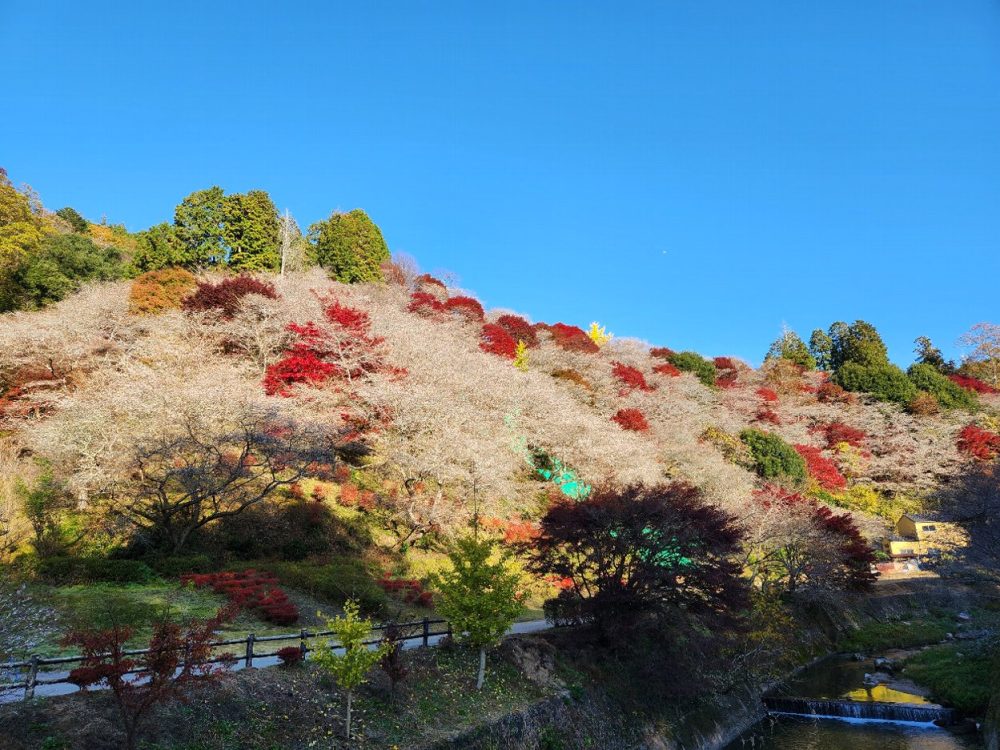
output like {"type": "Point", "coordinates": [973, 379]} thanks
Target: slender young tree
{"type": "Point", "coordinates": [480, 596]}
{"type": "Point", "coordinates": [351, 667]}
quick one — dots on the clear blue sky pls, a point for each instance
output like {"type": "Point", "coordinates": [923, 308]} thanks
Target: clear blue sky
{"type": "Point", "coordinates": [692, 172]}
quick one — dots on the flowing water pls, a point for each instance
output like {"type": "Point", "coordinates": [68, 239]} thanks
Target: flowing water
{"type": "Point", "coordinates": [829, 707]}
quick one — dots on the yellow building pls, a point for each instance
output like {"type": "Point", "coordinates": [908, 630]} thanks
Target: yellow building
{"type": "Point", "coordinates": [918, 536]}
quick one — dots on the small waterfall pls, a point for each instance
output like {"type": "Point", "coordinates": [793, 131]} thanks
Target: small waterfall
{"type": "Point", "coordinates": [865, 710]}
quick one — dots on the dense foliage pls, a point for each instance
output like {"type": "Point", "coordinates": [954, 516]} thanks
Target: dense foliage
{"type": "Point", "coordinates": [885, 382]}
{"type": "Point", "coordinates": [772, 457]}
{"type": "Point", "coordinates": [789, 346]}
{"type": "Point", "coordinates": [694, 363]}
{"type": "Point", "coordinates": [349, 246]}
{"type": "Point", "coordinates": [949, 395]}
{"type": "Point", "coordinates": [155, 291]}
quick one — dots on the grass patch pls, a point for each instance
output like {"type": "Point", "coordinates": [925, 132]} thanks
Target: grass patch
{"type": "Point", "coordinates": [958, 675]}
{"type": "Point", "coordinates": [878, 636]}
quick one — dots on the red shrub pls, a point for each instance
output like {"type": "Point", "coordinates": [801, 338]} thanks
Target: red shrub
{"type": "Point", "coordinates": [667, 369]}
{"type": "Point", "coordinates": [822, 469]}
{"type": "Point", "coordinates": [838, 432]}
{"type": "Point", "coordinates": [631, 419]}
{"type": "Point", "coordinates": [766, 394]}
{"type": "Point", "coordinates": [725, 363]}
{"type": "Point", "coordinates": [226, 295]}
{"type": "Point", "coordinates": [349, 494]}
{"type": "Point", "coordinates": [572, 339]}
{"type": "Point", "coordinates": [973, 384]}
{"type": "Point", "coordinates": [630, 378]}
{"type": "Point", "coordinates": [251, 590]}
{"type": "Point", "coordinates": [425, 279]}
{"type": "Point", "coordinates": [519, 329]}
{"type": "Point", "coordinates": [832, 393]}
{"type": "Point", "coordinates": [767, 414]}
{"type": "Point", "coordinates": [727, 379]}
{"type": "Point", "coordinates": [495, 340]}
{"type": "Point", "coordinates": [343, 349]}
{"type": "Point", "coordinates": [520, 531]}
{"type": "Point", "coordinates": [979, 443]}
{"type": "Point", "coordinates": [425, 304]}
{"type": "Point", "coordinates": [290, 655]}
{"type": "Point", "coordinates": [661, 352]}
{"type": "Point", "coordinates": [467, 307]}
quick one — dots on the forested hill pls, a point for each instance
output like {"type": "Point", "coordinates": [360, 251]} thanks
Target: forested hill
{"type": "Point", "coordinates": [229, 333]}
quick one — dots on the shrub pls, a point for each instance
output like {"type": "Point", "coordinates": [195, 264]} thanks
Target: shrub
{"type": "Point", "coordinates": [923, 404]}
{"type": "Point", "coordinates": [177, 565]}
{"type": "Point", "coordinates": [772, 456]}
{"type": "Point", "coordinates": [821, 469]}
{"type": "Point", "coordinates": [973, 384]}
{"type": "Point", "coordinates": [64, 570]}
{"type": "Point", "coordinates": [661, 352]}
{"type": "Point", "coordinates": [766, 394]}
{"type": "Point", "coordinates": [782, 375]}
{"type": "Point", "coordinates": [250, 590]}
{"type": "Point", "coordinates": [519, 329]}
{"type": "Point", "coordinates": [631, 378]}
{"type": "Point", "coordinates": [156, 291]}
{"type": "Point", "coordinates": [869, 500]}
{"type": "Point", "coordinates": [598, 334]}
{"type": "Point", "coordinates": [667, 369]}
{"type": "Point", "coordinates": [467, 307]}
{"type": "Point", "coordinates": [336, 581]}
{"type": "Point", "coordinates": [725, 363]}
{"type": "Point", "coordinates": [838, 432]}
{"type": "Point", "coordinates": [885, 382]}
{"type": "Point", "coordinates": [727, 379]}
{"type": "Point", "coordinates": [572, 339]}
{"type": "Point", "coordinates": [949, 394]}
{"type": "Point", "coordinates": [789, 346]}
{"type": "Point", "coordinates": [631, 419]}
{"type": "Point", "coordinates": [731, 446]}
{"type": "Point", "coordinates": [831, 393]}
{"type": "Point", "coordinates": [290, 655]}
{"type": "Point", "coordinates": [425, 279]}
{"type": "Point", "coordinates": [226, 295]}
{"type": "Point", "coordinates": [695, 363]}
{"type": "Point", "coordinates": [979, 443]}
{"type": "Point", "coordinates": [767, 414]}
{"type": "Point", "coordinates": [426, 304]}
{"type": "Point", "coordinates": [350, 246]}
{"type": "Point", "coordinates": [495, 340]}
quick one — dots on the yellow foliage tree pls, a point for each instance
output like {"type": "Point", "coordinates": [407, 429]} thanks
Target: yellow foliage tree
{"type": "Point", "coordinates": [598, 335]}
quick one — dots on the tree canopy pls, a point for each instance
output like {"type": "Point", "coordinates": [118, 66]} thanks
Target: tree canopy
{"type": "Point", "coordinates": [349, 246]}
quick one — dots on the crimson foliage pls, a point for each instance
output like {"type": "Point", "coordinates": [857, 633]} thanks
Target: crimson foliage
{"type": "Point", "coordinates": [467, 307]}
{"type": "Point", "coordinates": [820, 468]}
{"type": "Point", "coordinates": [519, 329]}
{"type": "Point", "coordinates": [426, 304]}
{"type": "Point", "coordinates": [767, 394]}
{"type": "Point", "coordinates": [177, 658]}
{"type": "Point", "coordinates": [251, 590]}
{"type": "Point", "coordinates": [661, 352]}
{"type": "Point", "coordinates": [425, 279]}
{"type": "Point", "coordinates": [979, 443]}
{"type": "Point", "coordinates": [631, 378]}
{"type": "Point", "coordinates": [973, 384]}
{"type": "Point", "coordinates": [572, 339]}
{"type": "Point", "coordinates": [226, 295]}
{"type": "Point", "coordinates": [725, 363]}
{"type": "Point", "coordinates": [667, 369]}
{"type": "Point", "coordinates": [838, 432]}
{"type": "Point", "coordinates": [495, 340]}
{"type": "Point", "coordinates": [631, 419]}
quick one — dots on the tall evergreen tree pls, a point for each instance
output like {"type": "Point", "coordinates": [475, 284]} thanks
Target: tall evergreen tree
{"type": "Point", "coordinates": [928, 354]}
{"type": "Point", "coordinates": [198, 220]}
{"type": "Point", "coordinates": [821, 348]}
{"type": "Point", "coordinates": [859, 343]}
{"type": "Point", "coordinates": [72, 217]}
{"type": "Point", "coordinates": [349, 246]}
{"type": "Point", "coordinates": [251, 231]}
{"type": "Point", "coordinates": [158, 247]}
{"type": "Point", "coordinates": [789, 346]}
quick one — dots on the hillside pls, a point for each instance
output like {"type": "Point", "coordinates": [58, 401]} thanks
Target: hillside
{"type": "Point", "coordinates": [86, 381]}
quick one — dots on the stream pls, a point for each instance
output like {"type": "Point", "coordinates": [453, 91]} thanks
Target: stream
{"type": "Point", "coordinates": [841, 704]}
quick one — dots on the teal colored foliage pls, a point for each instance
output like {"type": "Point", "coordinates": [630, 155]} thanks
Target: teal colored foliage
{"type": "Point", "coordinates": [61, 265]}
{"type": "Point", "coordinates": [773, 458]}
{"type": "Point", "coordinates": [548, 468]}
{"type": "Point", "coordinates": [694, 363]}
{"type": "Point", "coordinates": [949, 394]}
{"type": "Point", "coordinates": [885, 382]}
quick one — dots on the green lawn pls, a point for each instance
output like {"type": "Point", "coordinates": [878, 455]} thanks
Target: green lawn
{"type": "Point", "coordinates": [958, 674]}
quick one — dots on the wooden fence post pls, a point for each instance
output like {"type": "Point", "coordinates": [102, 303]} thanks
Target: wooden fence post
{"type": "Point", "coordinates": [427, 631]}
{"type": "Point", "coordinates": [302, 642]}
{"type": "Point", "coordinates": [29, 684]}
{"type": "Point", "coordinates": [249, 656]}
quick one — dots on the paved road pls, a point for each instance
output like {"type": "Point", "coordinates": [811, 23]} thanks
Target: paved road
{"type": "Point", "coordinates": [11, 696]}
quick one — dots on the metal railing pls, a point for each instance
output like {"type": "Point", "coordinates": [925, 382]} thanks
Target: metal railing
{"type": "Point", "coordinates": [419, 630]}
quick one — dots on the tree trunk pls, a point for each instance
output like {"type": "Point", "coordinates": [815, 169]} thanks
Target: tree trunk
{"type": "Point", "coordinates": [482, 668]}
{"type": "Point", "coordinates": [349, 696]}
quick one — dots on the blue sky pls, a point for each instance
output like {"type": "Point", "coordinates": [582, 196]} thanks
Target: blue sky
{"type": "Point", "coordinates": [694, 173]}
